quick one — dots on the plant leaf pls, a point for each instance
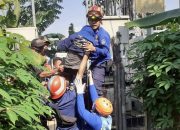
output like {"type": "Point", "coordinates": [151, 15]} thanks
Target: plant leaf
{"type": "Point", "coordinates": [12, 116]}
{"type": "Point", "coordinates": [5, 95]}
{"type": "Point", "coordinates": [23, 114]}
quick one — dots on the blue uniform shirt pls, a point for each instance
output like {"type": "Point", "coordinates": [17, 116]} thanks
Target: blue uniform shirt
{"type": "Point", "coordinates": [101, 41]}
{"type": "Point", "coordinates": [66, 105]}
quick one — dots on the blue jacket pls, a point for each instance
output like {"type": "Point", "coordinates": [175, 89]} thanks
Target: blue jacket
{"type": "Point", "coordinates": [68, 45]}
{"type": "Point", "coordinates": [93, 120]}
{"type": "Point", "coordinates": [100, 39]}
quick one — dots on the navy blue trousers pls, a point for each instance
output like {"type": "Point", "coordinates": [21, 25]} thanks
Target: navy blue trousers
{"type": "Point", "coordinates": [98, 74]}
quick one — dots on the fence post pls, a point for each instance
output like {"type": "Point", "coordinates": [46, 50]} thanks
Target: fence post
{"type": "Point", "coordinates": [119, 87]}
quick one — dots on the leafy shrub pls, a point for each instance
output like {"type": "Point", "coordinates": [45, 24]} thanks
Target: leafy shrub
{"type": "Point", "coordinates": [156, 60]}
{"type": "Point", "coordinates": [20, 91]}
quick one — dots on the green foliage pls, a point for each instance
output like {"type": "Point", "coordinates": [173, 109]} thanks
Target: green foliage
{"type": "Point", "coordinates": [13, 14]}
{"type": "Point", "coordinates": [18, 13]}
{"type": "Point", "coordinates": [156, 60]}
{"type": "Point", "coordinates": [10, 12]}
{"type": "Point", "coordinates": [46, 12]}
{"type": "Point", "coordinates": [20, 91]}
{"type": "Point", "coordinates": [55, 36]}
{"type": "Point", "coordinates": [157, 19]}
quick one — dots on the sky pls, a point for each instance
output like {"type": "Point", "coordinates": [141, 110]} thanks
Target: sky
{"type": "Point", "coordinates": [74, 12]}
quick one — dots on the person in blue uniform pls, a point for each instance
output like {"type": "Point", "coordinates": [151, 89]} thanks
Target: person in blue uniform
{"type": "Point", "coordinates": [98, 44]}
{"type": "Point", "coordinates": [100, 117]}
{"type": "Point", "coordinates": [100, 50]}
{"type": "Point", "coordinates": [63, 100]}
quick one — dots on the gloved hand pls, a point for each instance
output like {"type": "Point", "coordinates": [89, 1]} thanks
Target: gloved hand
{"type": "Point", "coordinates": [79, 86]}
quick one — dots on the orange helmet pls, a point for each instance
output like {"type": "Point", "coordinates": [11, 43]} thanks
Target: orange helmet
{"type": "Point", "coordinates": [56, 86]}
{"type": "Point", "coordinates": [95, 11]}
{"type": "Point", "coordinates": [103, 106]}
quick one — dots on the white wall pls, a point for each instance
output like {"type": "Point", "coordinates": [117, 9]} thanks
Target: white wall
{"type": "Point", "coordinates": [28, 32]}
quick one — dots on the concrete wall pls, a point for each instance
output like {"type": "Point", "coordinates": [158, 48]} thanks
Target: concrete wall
{"type": "Point", "coordinates": [28, 32]}
{"type": "Point", "coordinates": [112, 23]}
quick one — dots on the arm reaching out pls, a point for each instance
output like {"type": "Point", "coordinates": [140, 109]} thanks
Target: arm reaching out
{"type": "Point", "coordinates": [82, 66]}
{"type": "Point", "coordinates": [92, 89]}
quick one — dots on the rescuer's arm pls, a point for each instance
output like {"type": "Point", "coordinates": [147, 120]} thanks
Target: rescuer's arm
{"type": "Point", "coordinates": [92, 89]}
{"type": "Point", "coordinates": [91, 118]}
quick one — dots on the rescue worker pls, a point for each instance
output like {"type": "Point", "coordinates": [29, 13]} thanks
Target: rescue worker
{"type": "Point", "coordinates": [98, 45]}
{"type": "Point", "coordinates": [100, 50]}
{"type": "Point", "coordinates": [100, 117]}
{"type": "Point", "coordinates": [63, 96]}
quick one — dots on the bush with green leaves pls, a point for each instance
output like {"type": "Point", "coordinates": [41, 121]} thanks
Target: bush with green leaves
{"type": "Point", "coordinates": [20, 91]}
{"type": "Point", "coordinates": [156, 61]}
